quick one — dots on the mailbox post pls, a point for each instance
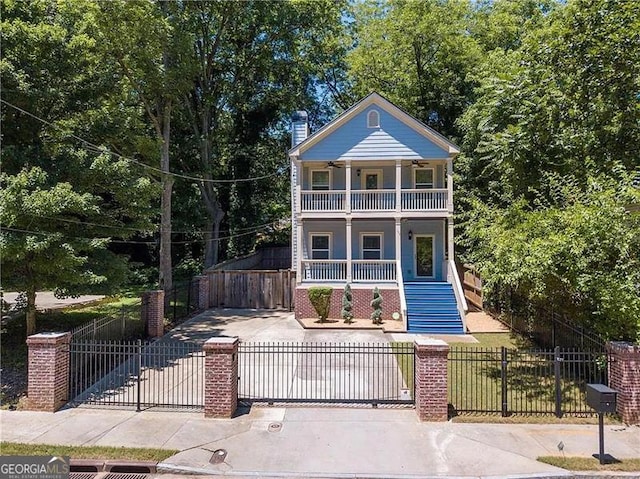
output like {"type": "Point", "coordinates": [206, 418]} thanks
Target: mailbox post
{"type": "Point", "coordinates": [603, 399]}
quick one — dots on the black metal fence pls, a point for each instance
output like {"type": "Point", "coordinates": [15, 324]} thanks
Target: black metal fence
{"type": "Point", "coordinates": [125, 325]}
{"type": "Point", "coordinates": [367, 373]}
{"type": "Point", "coordinates": [167, 374]}
{"type": "Point", "coordinates": [508, 381]}
{"type": "Point", "coordinates": [545, 327]}
{"type": "Point", "coordinates": [181, 301]}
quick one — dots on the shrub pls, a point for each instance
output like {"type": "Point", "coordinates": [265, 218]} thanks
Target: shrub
{"type": "Point", "coordinates": [320, 297]}
{"type": "Point", "coordinates": [376, 304]}
{"type": "Point", "coordinates": [347, 313]}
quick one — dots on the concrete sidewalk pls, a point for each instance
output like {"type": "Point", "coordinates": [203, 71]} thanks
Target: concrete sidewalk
{"type": "Point", "coordinates": [324, 442]}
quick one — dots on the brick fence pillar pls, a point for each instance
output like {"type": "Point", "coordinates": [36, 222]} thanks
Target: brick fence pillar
{"type": "Point", "coordinates": [624, 377]}
{"type": "Point", "coordinates": [431, 379]}
{"type": "Point", "coordinates": [153, 313]}
{"type": "Point", "coordinates": [220, 377]}
{"type": "Point", "coordinates": [48, 376]}
{"type": "Point", "coordinates": [202, 292]}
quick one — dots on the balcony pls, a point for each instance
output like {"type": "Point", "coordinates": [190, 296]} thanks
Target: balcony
{"type": "Point", "coordinates": [412, 200]}
{"type": "Point", "coordinates": [362, 271]}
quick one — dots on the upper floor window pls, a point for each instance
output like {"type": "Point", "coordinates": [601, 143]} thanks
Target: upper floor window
{"type": "Point", "coordinates": [320, 246]}
{"type": "Point", "coordinates": [373, 119]}
{"type": "Point", "coordinates": [371, 246]}
{"type": "Point", "coordinates": [423, 178]}
{"type": "Point", "coordinates": [321, 180]}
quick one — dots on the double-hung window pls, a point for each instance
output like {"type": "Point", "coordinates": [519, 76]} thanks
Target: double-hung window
{"type": "Point", "coordinates": [423, 178]}
{"type": "Point", "coordinates": [320, 180]}
{"type": "Point", "coordinates": [371, 246]}
{"type": "Point", "coordinates": [320, 246]}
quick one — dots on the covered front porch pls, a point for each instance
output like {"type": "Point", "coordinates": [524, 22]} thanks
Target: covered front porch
{"type": "Point", "coordinates": [373, 251]}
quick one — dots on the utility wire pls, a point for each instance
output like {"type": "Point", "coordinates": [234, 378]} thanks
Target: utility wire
{"type": "Point", "coordinates": [98, 149]}
{"type": "Point", "coordinates": [46, 233]}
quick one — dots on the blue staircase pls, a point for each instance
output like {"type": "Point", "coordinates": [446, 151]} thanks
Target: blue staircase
{"type": "Point", "coordinates": [432, 308]}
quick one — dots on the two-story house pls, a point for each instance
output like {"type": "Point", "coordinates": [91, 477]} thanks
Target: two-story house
{"type": "Point", "coordinates": [372, 206]}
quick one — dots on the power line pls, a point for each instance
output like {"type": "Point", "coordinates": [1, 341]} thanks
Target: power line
{"type": "Point", "coordinates": [98, 149]}
{"type": "Point", "coordinates": [151, 243]}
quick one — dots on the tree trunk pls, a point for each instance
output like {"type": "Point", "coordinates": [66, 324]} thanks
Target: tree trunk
{"type": "Point", "coordinates": [165, 279]}
{"type": "Point", "coordinates": [212, 236]}
{"type": "Point", "coordinates": [31, 312]}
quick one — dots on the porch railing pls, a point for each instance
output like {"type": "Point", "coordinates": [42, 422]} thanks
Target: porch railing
{"type": "Point", "coordinates": [324, 270]}
{"type": "Point", "coordinates": [323, 200]}
{"type": "Point", "coordinates": [424, 200]}
{"type": "Point", "coordinates": [379, 270]}
{"type": "Point", "coordinates": [373, 200]}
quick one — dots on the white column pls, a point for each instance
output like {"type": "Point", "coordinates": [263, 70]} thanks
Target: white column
{"type": "Point", "coordinates": [398, 186]}
{"type": "Point", "coordinates": [300, 252]}
{"type": "Point", "coordinates": [349, 251]}
{"type": "Point", "coordinates": [450, 248]}
{"type": "Point", "coordinates": [450, 185]}
{"type": "Point", "coordinates": [398, 239]}
{"type": "Point", "coordinates": [347, 171]}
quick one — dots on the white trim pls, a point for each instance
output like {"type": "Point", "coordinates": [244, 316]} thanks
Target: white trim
{"type": "Point", "coordinates": [386, 105]}
{"type": "Point", "coordinates": [433, 254]}
{"type": "Point", "coordinates": [373, 124]}
{"type": "Point", "coordinates": [363, 177]}
{"type": "Point", "coordinates": [323, 170]}
{"type": "Point", "coordinates": [320, 233]}
{"type": "Point", "coordinates": [371, 233]}
{"type": "Point", "coordinates": [433, 177]}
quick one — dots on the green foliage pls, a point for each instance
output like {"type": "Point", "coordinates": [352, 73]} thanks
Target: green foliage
{"type": "Point", "coordinates": [347, 306]}
{"type": "Point", "coordinates": [376, 304]}
{"type": "Point", "coordinates": [320, 298]}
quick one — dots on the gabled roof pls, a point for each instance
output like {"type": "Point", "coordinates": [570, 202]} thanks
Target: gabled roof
{"type": "Point", "coordinates": [383, 103]}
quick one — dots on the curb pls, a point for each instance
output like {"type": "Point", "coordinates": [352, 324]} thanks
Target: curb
{"type": "Point", "coordinates": [115, 466]}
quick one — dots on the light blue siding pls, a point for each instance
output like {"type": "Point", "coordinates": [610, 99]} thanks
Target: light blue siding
{"type": "Point", "coordinates": [392, 140]}
{"type": "Point", "coordinates": [387, 228]}
{"type": "Point", "coordinates": [338, 178]}
{"type": "Point", "coordinates": [298, 132]}
{"type": "Point", "coordinates": [438, 172]}
{"type": "Point", "coordinates": [418, 227]}
{"type": "Point", "coordinates": [338, 232]}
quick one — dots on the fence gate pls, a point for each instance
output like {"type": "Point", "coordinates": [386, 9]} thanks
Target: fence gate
{"type": "Point", "coordinates": [138, 374]}
{"type": "Point", "coordinates": [366, 373]}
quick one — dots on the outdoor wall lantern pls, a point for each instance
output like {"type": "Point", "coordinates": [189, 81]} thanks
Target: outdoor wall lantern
{"type": "Point", "coordinates": [358, 172]}
{"type": "Point", "coordinates": [410, 235]}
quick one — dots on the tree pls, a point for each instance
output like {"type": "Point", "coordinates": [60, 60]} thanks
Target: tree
{"type": "Point", "coordinates": [347, 306]}
{"type": "Point", "coordinates": [376, 304]}
{"type": "Point", "coordinates": [62, 200]}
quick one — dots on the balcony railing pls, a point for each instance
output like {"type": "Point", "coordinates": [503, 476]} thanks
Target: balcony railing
{"type": "Point", "coordinates": [361, 270]}
{"type": "Point", "coordinates": [424, 200]}
{"type": "Point", "coordinates": [369, 270]}
{"type": "Point", "coordinates": [375, 200]}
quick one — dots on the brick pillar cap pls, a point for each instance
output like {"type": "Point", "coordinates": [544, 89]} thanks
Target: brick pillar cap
{"type": "Point", "coordinates": [430, 342]}
{"type": "Point", "coordinates": [222, 341]}
{"type": "Point", "coordinates": [622, 346]}
{"type": "Point", "coordinates": [51, 337]}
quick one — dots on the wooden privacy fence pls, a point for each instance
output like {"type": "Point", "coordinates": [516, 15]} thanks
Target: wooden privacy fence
{"type": "Point", "coordinates": [252, 289]}
{"type": "Point", "coordinates": [472, 285]}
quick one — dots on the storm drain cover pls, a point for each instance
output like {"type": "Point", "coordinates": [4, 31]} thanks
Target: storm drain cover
{"type": "Point", "coordinates": [218, 456]}
{"type": "Point", "coordinates": [275, 427]}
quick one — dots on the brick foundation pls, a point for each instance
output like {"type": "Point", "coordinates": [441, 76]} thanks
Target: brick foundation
{"type": "Point", "coordinates": [361, 302]}
{"type": "Point", "coordinates": [624, 377]}
{"type": "Point", "coordinates": [431, 379]}
{"type": "Point", "coordinates": [152, 313]}
{"type": "Point", "coordinates": [48, 375]}
{"type": "Point", "coordinates": [202, 291]}
{"type": "Point", "coordinates": [220, 377]}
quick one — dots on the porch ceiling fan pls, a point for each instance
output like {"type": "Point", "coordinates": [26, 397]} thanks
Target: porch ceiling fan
{"type": "Point", "coordinates": [331, 164]}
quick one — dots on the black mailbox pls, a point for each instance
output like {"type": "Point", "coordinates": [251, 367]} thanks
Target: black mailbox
{"type": "Point", "coordinates": [601, 398]}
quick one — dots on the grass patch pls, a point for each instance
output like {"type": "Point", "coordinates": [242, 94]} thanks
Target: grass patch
{"type": "Point", "coordinates": [591, 464]}
{"type": "Point", "coordinates": [532, 419]}
{"type": "Point", "coordinates": [86, 452]}
{"type": "Point", "coordinates": [495, 340]}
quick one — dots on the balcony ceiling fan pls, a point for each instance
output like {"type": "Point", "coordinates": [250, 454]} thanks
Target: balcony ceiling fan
{"type": "Point", "coordinates": [331, 164]}
{"type": "Point", "coordinates": [416, 164]}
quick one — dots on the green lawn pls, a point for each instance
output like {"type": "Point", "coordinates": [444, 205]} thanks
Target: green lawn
{"type": "Point", "coordinates": [86, 452]}
{"type": "Point", "coordinates": [591, 464]}
{"type": "Point", "coordinates": [13, 354]}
